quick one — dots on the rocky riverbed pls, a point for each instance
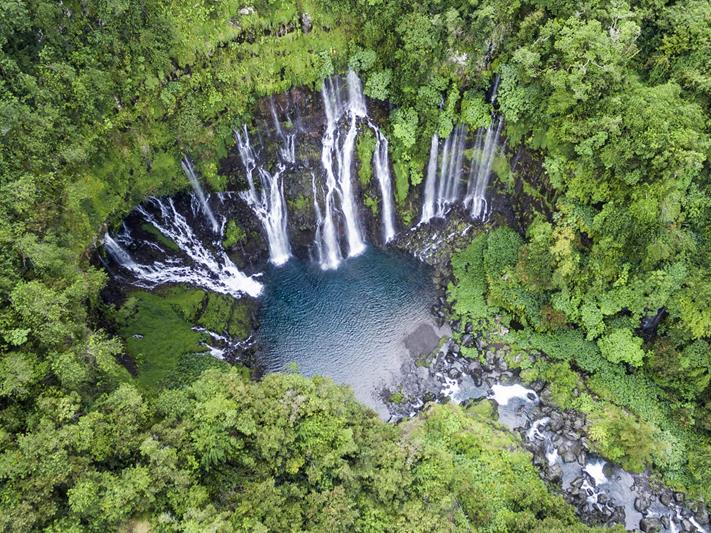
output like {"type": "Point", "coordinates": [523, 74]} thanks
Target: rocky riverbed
{"type": "Point", "coordinates": [602, 493]}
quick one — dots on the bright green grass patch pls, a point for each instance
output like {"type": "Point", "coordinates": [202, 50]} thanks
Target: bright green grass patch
{"type": "Point", "coordinates": [157, 327]}
{"type": "Point", "coordinates": [164, 241]}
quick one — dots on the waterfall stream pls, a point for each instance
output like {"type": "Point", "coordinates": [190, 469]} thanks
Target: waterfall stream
{"type": "Point", "coordinates": [382, 173]}
{"type": "Point", "coordinates": [479, 174]}
{"type": "Point", "coordinates": [194, 263]}
{"type": "Point", "coordinates": [268, 202]}
{"type": "Point", "coordinates": [338, 148]}
{"type": "Point", "coordinates": [443, 188]}
{"type": "Point", "coordinates": [190, 173]}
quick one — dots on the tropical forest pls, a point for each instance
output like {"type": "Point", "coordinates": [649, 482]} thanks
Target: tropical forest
{"type": "Point", "coordinates": [355, 266]}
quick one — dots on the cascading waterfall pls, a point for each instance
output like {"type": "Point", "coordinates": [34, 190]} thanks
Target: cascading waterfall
{"type": "Point", "coordinates": [287, 151]}
{"type": "Point", "coordinates": [190, 173]}
{"type": "Point", "coordinates": [199, 265]}
{"type": "Point", "coordinates": [480, 173]}
{"type": "Point", "coordinates": [326, 239]}
{"type": "Point", "coordinates": [443, 188]}
{"type": "Point", "coordinates": [337, 161]}
{"type": "Point", "coordinates": [382, 173]}
{"type": "Point", "coordinates": [268, 202]}
{"type": "Point", "coordinates": [428, 205]}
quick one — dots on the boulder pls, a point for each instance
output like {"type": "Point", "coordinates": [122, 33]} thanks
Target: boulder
{"type": "Point", "coordinates": [641, 504]}
{"type": "Point", "coordinates": [650, 524]}
{"type": "Point", "coordinates": [568, 456]}
{"type": "Point", "coordinates": [306, 22]}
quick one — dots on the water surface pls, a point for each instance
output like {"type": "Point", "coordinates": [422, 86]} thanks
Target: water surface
{"type": "Point", "coordinates": [348, 324]}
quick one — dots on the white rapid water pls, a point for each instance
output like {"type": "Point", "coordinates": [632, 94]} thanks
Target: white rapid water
{"type": "Point", "coordinates": [381, 165]}
{"type": "Point", "coordinates": [190, 173]}
{"type": "Point", "coordinates": [480, 173]}
{"type": "Point", "coordinates": [267, 202]}
{"type": "Point", "coordinates": [442, 189]}
{"type": "Point", "coordinates": [326, 239]}
{"type": "Point", "coordinates": [195, 265]}
{"type": "Point", "coordinates": [338, 148]}
{"type": "Point", "coordinates": [445, 168]}
{"type": "Point", "coordinates": [428, 205]}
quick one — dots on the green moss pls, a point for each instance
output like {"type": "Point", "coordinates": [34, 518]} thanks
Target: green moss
{"type": "Point", "coordinates": [161, 239]}
{"type": "Point", "coordinates": [402, 185]}
{"type": "Point", "coordinates": [234, 234]}
{"type": "Point", "coordinates": [157, 330]}
{"type": "Point", "coordinates": [299, 204]}
{"type": "Point", "coordinates": [157, 327]}
{"type": "Point", "coordinates": [397, 397]}
{"type": "Point", "coordinates": [371, 203]}
{"type": "Point", "coordinates": [365, 146]}
{"type": "Point", "coordinates": [224, 314]}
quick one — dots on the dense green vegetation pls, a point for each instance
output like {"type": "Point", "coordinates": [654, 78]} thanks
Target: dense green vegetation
{"type": "Point", "coordinates": [286, 454]}
{"type": "Point", "coordinates": [98, 100]}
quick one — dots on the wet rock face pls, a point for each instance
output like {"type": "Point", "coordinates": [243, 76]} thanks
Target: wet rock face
{"type": "Point", "coordinates": [300, 112]}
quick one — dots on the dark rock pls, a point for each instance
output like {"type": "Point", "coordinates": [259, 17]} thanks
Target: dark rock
{"type": "Point", "coordinates": [306, 23]}
{"type": "Point", "coordinates": [455, 324]}
{"type": "Point", "coordinates": [555, 472]}
{"type": "Point", "coordinates": [577, 482]}
{"type": "Point", "coordinates": [687, 526]}
{"type": "Point", "coordinates": [602, 498]}
{"type": "Point", "coordinates": [455, 349]}
{"type": "Point", "coordinates": [468, 328]}
{"type": "Point", "coordinates": [701, 514]}
{"type": "Point", "coordinates": [666, 522]}
{"type": "Point", "coordinates": [506, 378]}
{"type": "Point", "coordinates": [468, 340]}
{"type": "Point", "coordinates": [556, 422]}
{"type": "Point", "coordinates": [538, 385]}
{"type": "Point", "coordinates": [572, 435]}
{"type": "Point", "coordinates": [679, 497]}
{"type": "Point", "coordinates": [454, 373]}
{"type": "Point", "coordinates": [650, 524]}
{"type": "Point", "coordinates": [665, 498]}
{"type": "Point", "coordinates": [641, 504]}
{"type": "Point", "coordinates": [568, 456]}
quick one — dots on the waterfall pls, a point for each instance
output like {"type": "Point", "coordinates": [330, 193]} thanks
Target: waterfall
{"type": "Point", "coordinates": [337, 159]}
{"type": "Point", "coordinates": [479, 174]}
{"type": "Point", "coordinates": [287, 151]}
{"type": "Point", "coordinates": [441, 191]}
{"type": "Point", "coordinates": [268, 202]}
{"type": "Point", "coordinates": [338, 148]}
{"type": "Point", "coordinates": [196, 264]}
{"type": "Point", "coordinates": [119, 253]}
{"type": "Point", "coordinates": [326, 239]}
{"type": "Point", "coordinates": [443, 188]}
{"type": "Point", "coordinates": [428, 205]}
{"type": "Point", "coordinates": [190, 173]}
{"type": "Point", "coordinates": [382, 173]}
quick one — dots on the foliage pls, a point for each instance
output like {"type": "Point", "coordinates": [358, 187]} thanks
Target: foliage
{"type": "Point", "coordinates": [234, 234]}
{"type": "Point", "coordinates": [99, 100]}
{"type": "Point", "coordinates": [365, 147]}
{"type": "Point", "coordinates": [284, 453]}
